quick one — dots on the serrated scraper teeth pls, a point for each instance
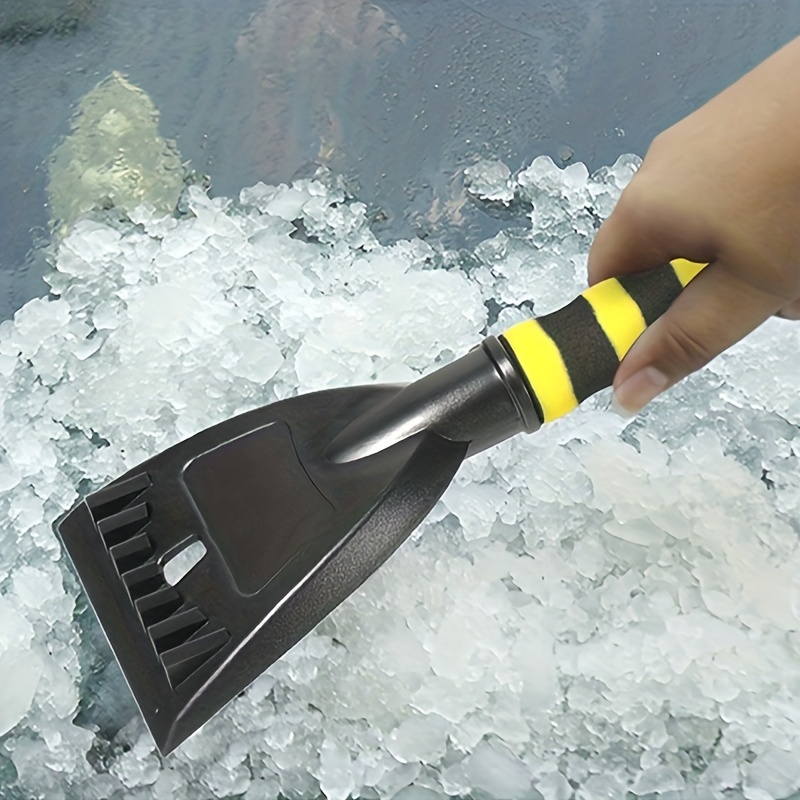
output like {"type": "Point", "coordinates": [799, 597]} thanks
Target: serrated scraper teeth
{"type": "Point", "coordinates": [124, 524]}
{"type": "Point", "coordinates": [144, 580]}
{"type": "Point", "coordinates": [158, 605]}
{"type": "Point", "coordinates": [132, 553]}
{"type": "Point", "coordinates": [116, 497]}
{"type": "Point", "coordinates": [187, 658]}
{"type": "Point", "coordinates": [175, 630]}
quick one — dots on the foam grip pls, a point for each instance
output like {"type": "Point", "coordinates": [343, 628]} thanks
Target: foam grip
{"type": "Point", "coordinates": [574, 352]}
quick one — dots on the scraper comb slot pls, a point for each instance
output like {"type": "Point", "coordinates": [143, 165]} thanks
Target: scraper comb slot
{"type": "Point", "coordinates": [177, 629]}
{"type": "Point", "coordinates": [158, 605]}
{"type": "Point", "coordinates": [113, 499]}
{"type": "Point", "coordinates": [132, 553]}
{"type": "Point", "coordinates": [143, 580]}
{"type": "Point", "coordinates": [124, 524]}
{"type": "Point", "coordinates": [187, 658]}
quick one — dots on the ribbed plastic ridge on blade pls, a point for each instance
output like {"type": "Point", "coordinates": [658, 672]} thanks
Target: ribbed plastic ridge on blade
{"type": "Point", "coordinates": [185, 659]}
{"type": "Point", "coordinates": [124, 524]}
{"type": "Point", "coordinates": [143, 580]}
{"type": "Point", "coordinates": [183, 638]}
{"type": "Point", "coordinates": [133, 553]}
{"type": "Point", "coordinates": [175, 630]}
{"type": "Point", "coordinates": [158, 605]}
{"type": "Point", "coordinates": [114, 498]}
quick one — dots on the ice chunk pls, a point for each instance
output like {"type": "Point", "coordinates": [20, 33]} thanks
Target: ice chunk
{"type": "Point", "coordinates": [15, 630]}
{"type": "Point", "coordinates": [35, 586]}
{"type": "Point", "coordinates": [417, 793]}
{"type": "Point", "coordinates": [658, 780]}
{"type": "Point", "coordinates": [602, 787]}
{"type": "Point", "coordinates": [287, 204]}
{"type": "Point", "coordinates": [493, 770]}
{"type": "Point", "coordinates": [554, 786]}
{"type": "Point", "coordinates": [477, 505]}
{"type": "Point", "coordinates": [10, 476]}
{"type": "Point", "coordinates": [336, 772]}
{"type": "Point", "coordinates": [534, 652]}
{"type": "Point", "coordinates": [139, 766]}
{"type": "Point", "coordinates": [20, 672]}
{"type": "Point", "coordinates": [773, 773]}
{"type": "Point", "coordinates": [419, 739]}
{"type": "Point", "coordinates": [490, 180]}
{"type": "Point", "coordinates": [637, 531]}
{"type": "Point", "coordinates": [113, 155]}
{"type": "Point", "coordinates": [542, 174]}
{"type": "Point", "coordinates": [176, 568]}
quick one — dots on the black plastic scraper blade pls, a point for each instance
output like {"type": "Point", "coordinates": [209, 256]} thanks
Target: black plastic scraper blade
{"type": "Point", "coordinates": [288, 536]}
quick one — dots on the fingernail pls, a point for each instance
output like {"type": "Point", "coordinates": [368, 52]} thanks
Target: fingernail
{"type": "Point", "coordinates": [636, 392]}
{"type": "Point", "coordinates": [619, 410]}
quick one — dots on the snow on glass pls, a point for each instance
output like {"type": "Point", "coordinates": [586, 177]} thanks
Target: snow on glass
{"type": "Point", "coordinates": [606, 609]}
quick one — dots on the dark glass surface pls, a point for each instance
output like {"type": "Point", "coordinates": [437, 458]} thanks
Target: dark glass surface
{"type": "Point", "coordinates": [397, 96]}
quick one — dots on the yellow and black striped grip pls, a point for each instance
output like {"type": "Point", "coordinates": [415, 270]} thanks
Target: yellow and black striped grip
{"type": "Point", "coordinates": [574, 352]}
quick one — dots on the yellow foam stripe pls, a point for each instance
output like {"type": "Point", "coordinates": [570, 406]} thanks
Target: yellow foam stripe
{"type": "Point", "coordinates": [686, 270]}
{"type": "Point", "coordinates": [618, 314]}
{"type": "Point", "coordinates": [544, 368]}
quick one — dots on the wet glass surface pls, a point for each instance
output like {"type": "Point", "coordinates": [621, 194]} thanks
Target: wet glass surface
{"type": "Point", "coordinates": [397, 96]}
{"type": "Point", "coordinates": [102, 101]}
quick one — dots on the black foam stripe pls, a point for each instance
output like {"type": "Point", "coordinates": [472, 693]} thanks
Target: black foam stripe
{"type": "Point", "coordinates": [587, 352]}
{"type": "Point", "coordinates": [654, 291]}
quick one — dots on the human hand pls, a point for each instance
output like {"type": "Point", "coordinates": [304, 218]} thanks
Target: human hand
{"type": "Point", "coordinates": [722, 186]}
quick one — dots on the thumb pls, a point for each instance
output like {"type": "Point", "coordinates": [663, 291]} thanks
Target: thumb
{"type": "Point", "coordinates": [713, 312]}
{"type": "Point", "coordinates": [791, 311]}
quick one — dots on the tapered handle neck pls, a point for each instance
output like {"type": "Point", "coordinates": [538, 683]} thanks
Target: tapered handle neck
{"type": "Point", "coordinates": [480, 399]}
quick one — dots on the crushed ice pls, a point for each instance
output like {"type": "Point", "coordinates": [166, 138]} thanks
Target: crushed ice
{"type": "Point", "coordinates": [606, 607]}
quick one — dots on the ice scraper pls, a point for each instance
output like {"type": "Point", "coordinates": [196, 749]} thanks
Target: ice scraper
{"type": "Point", "coordinates": [298, 502]}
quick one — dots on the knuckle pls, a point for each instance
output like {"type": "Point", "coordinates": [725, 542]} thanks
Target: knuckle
{"type": "Point", "coordinates": [632, 207]}
{"type": "Point", "coordinates": [640, 209]}
{"type": "Point", "coordinates": [685, 350]}
{"type": "Point", "coordinates": [661, 142]}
